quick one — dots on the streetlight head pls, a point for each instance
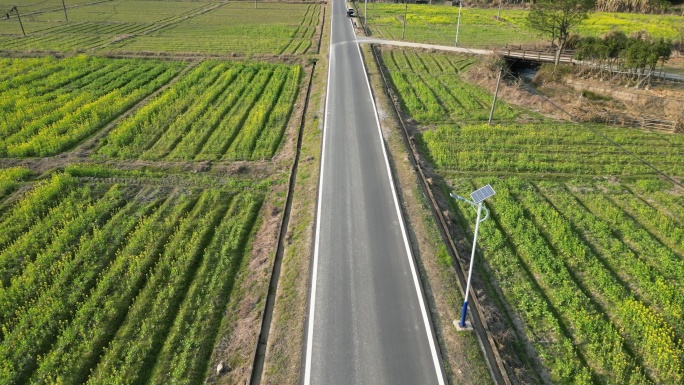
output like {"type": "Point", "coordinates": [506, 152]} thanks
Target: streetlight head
{"type": "Point", "coordinates": [482, 193]}
{"type": "Point", "coordinates": [460, 198]}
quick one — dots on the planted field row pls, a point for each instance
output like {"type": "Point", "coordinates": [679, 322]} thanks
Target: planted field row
{"type": "Point", "coordinates": [219, 110]}
{"type": "Point", "coordinates": [125, 11]}
{"type": "Point", "coordinates": [115, 283]}
{"type": "Point", "coordinates": [73, 36]}
{"type": "Point", "coordinates": [41, 5]}
{"type": "Point", "coordinates": [599, 294]}
{"type": "Point", "coordinates": [178, 26]}
{"type": "Point", "coordinates": [50, 105]}
{"type": "Point", "coordinates": [432, 92]}
{"type": "Point", "coordinates": [552, 148]}
{"type": "Point", "coordinates": [95, 25]}
{"type": "Point", "coordinates": [302, 38]}
{"type": "Point", "coordinates": [271, 28]}
{"type": "Point", "coordinates": [480, 27]}
{"type": "Point", "coordinates": [262, 45]}
{"type": "Point", "coordinates": [10, 178]}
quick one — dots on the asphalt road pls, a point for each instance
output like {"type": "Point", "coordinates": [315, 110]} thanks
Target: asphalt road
{"type": "Point", "coordinates": [367, 321]}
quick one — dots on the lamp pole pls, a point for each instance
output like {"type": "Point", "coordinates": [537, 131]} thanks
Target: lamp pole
{"type": "Point", "coordinates": [65, 13]}
{"type": "Point", "coordinates": [496, 93]}
{"type": "Point", "coordinates": [478, 197]}
{"type": "Point", "coordinates": [405, 12]}
{"type": "Point", "coordinates": [365, 9]}
{"type": "Point", "coordinates": [458, 21]}
{"type": "Point", "coordinates": [18, 17]}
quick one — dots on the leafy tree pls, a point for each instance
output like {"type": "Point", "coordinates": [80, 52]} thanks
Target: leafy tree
{"type": "Point", "coordinates": [635, 56]}
{"type": "Point", "coordinates": [555, 18]}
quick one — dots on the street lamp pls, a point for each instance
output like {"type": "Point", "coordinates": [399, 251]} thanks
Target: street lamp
{"type": "Point", "coordinates": [15, 10]}
{"type": "Point", "coordinates": [66, 17]}
{"type": "Point", "coordinates": [478, 196]}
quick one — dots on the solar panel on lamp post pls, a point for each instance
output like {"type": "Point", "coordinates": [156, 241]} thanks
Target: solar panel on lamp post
{"type": "Point", "coordinates": [478, 196]}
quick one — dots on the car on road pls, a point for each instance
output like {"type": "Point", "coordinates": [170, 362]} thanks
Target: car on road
{"type": "Point", "coordinates": [350, 12]}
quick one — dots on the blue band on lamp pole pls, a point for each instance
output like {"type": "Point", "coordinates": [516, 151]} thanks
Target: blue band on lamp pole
{"type": "Point", "coordinates": [463, 314]}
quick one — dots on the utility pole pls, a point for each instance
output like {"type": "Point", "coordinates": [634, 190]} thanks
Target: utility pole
{"type": "Point", "coordinates": [66, 17]}
{"type": "Point", "coordinates": [496, 92]}
{"type": "Point", "coordinates": [458, 22]}
{"type": "Point", "coordinates": [498, 16]}
{"type": "Point", "coordinates": [18, 17]}
{"type": "Point", "coordinates": [405, 12]}
{"type": "Point", "coordinates": [365, 12]}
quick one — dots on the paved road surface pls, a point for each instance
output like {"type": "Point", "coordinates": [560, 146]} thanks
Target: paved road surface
{"type": "Point", "coordinates": [367, 319]}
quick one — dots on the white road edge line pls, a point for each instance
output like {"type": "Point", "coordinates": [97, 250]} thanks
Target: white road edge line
{"type": "Point", "coordinates": [428, 328]}
{"type": "Point", "coordinates": [314, 276]}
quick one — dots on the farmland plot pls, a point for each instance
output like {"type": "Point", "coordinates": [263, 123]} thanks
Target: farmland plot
{"type": "Point", "coordinates": [49, 105]}
{"type": "Point", "coordinates": [584, 242]}
{"type": "Point", "coordinates": [40, 6]}
{"type": "Point", "coordinates": [118, 283]}
{"type": "Point", "coordinates": [95, 25]}
{"type": "Point", "coordinates": [169, 27]}
{"type": "Point", "coordinates": [272, 28]}
{"type": "Point", "coordinates": [479, 27]}
{"type": "Point", "coordinates": [219, 110]}
{"type": "Point", "coordinates": [432, 92]}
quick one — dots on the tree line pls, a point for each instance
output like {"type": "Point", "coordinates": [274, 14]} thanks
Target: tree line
{"type": "Point", "coordinates": [616, 56]}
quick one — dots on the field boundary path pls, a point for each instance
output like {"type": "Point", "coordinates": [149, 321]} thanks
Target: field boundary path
{"type": "Point", "coordinates": [267, 314]}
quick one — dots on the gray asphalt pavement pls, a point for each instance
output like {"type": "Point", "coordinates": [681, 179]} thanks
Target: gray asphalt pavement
{"type": "Point", "coordinates": [367, 320]}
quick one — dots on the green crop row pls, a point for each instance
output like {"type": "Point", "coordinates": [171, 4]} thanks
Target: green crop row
{"type": "Point", "coordinates": [613, 288]}
{"type": "Point", "coordinates": [10, 178]}
{"type": "Point", "coordinates": [34, 205]}
{"type": "Point", "coordinates": [57, 104]}
{"type": "Point", "coordinates": [218, 110]}
{"type": "Point", "coordinates": [432, 91]}
{"type": "Point", "coordinates": [549, 148]}
{"type": "Point", "coordinates": [648, 283]}
{"type": "Point", "coordinates": [236, 28]}
{"type": "Point", "coordinates": [113, 283]}
{"type": "Point", "coordinates": [436, 24]}
{"type": "Point", "coordinates": [648, 335]}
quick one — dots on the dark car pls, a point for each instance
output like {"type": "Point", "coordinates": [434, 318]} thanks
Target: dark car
{"type": "Point", "coordinates": [350, 12]}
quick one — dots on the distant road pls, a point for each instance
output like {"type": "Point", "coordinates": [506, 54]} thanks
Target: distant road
{"type": "Point", "coordinates": [367, 320]}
